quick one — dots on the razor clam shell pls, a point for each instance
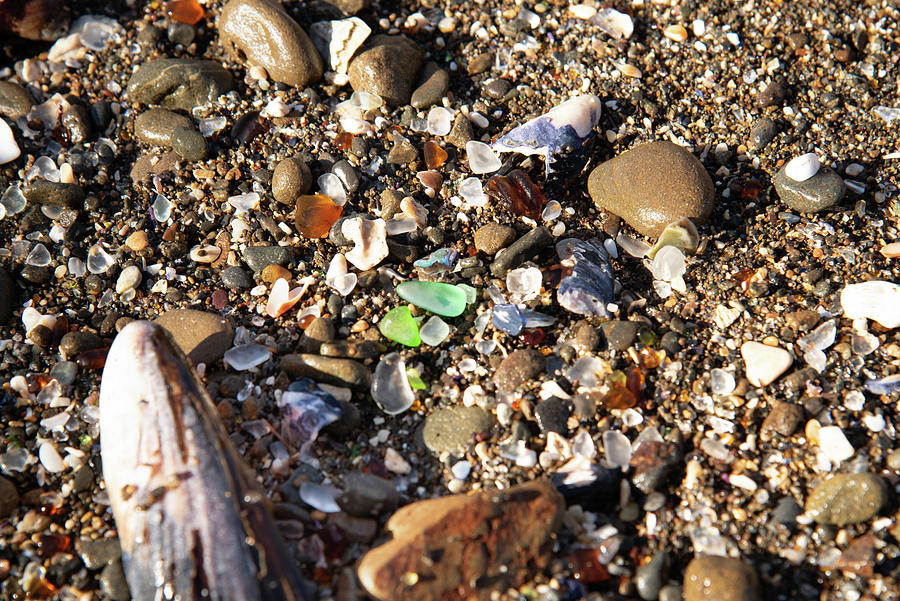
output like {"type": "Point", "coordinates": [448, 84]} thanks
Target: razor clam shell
{"type": "Point", "coordinates": [192, 523]}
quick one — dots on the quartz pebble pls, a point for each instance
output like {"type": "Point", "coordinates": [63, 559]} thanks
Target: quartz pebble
{"type": "Point", "coordinates": [481, 158]}
{"type": "Point", "coordinates": [834, 444]}
{"type": "Point", "coordinates": [876, 300]}
{"type": "Point", "coordinates": [390, 386]}
{"type": "Point", "coordinates": [128, 279]}
{"type": "Point", "coordinates": [764, 364]}
{"type": "Point", "coordinates": [9, 149]}
{"type": "Point", "coordinates": [803, 167]}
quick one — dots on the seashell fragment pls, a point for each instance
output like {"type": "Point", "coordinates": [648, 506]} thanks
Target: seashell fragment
{"type": "Point", "coordinates": [618, 25]}
{"type": "Point", "coordinates": [337, 41]}
{"type": "Point", "coordinates": [591, 285]}
{"type": "Point", "coordinates": [561, 129]}
{"type": "Point", "coordinates": [282, 297]}
{"type": "Point", "coordinates": [190, 516]}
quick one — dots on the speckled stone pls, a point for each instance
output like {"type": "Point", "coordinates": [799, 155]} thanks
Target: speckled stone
{"type": "Point", "coordinates": [330, 370]}
{"type": "Point", "coordinates": [261, 33]}
{"type": "Point", "coordinates": [847, 499]}
{"type": "Point", "coordinates": [762, 133]}
{"type": "Point", "coordinates": [189, 144]}
{"type": "Point", "coordinates": [653, 185]}
{"type": "Point", "coordinates": [15, 100]}
{"type": "Point", "coordinates": [822, 191]}
{"type": "Point", "coordinates": [712, 578]}
{"type": "Point", "coordinates": [155, 126]}
{"type": "Point", "coordinates": [493, 236]}
{"type": "Point", "coordinates": [60, 194]}
{"type": "Point", "coordinates": [235, 278]}
{"type": "Point", "coordinates": [387, 66]}
{"type": "Point", "coordinates": [451, 429]}
{"type": "Point", "coordinates": [204, 337]}
{"type": "Point", "coordinates": [518, 368]}
{"type": "Point", "coordinates": [292, 178]}
{"type": "Point", "coordinates": [179, 83]}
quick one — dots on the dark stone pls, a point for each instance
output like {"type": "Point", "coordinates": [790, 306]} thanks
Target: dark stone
{"type": "Point", "coordinates": [822, 191]}
{"type": "Point", "coordinates": [586, 337]}
{"type": "Point", "coordinates": [432, 87]}
{"type": "Point", "coordinates": [351, 350]}
{"type": "Point", "coordinates": [620, 335]}
{"type": "Point", "coordinates": [319, 330]}
{"type": "Point", "coordinates": [709, 578]}
{"type": "Point", "coordinates": [75, 343]}
{"type": "Point", "coordinates": [497, 88]}
{"type": "Point", "coordinates": [189, 144]}
{"type": "Point", "coordinates": [783, 419]}
{"type": "Point", "coordinates": [260, 257]}
{"type": "Point", "coordinates": [552, 415]}
{"type": "Point", "coordinates": [40, 191]}
{"type": "Point", "coordinates": [654, 464]}
{"type": "Point", "coordinates": [461, 132]}
{"type": "Point", "coordinates": [366, 495]}
{"type": "Point", "coordinates": [15, 100]}
{"type": "Point", "coordinates": [786, 511]}
{"type": "Point", "coordinates": [179, 83]}
{"type": "Point", "coordinates": [480, 63]}
{"type": "Point", "coordinates": [595, 490]}
{"type": "Point", "coordinates": [77, 122]}
{"type": "Point", "coordinates": [773, 94]}
{"type": "Point", "coordinates": [9, 497]}
{"type": "Point", "coordinates": [847, 499]}
{"type": "Point", "coordinates": [203, 337]}
{"type": "Point", "coordinates": [762, 133]}
{"type": "Point", "coordinates": [649, 578]}
{"type": "Point", "coordinates": [525, 248]}
{"type": "Point", "coordinates": [64, 372]}
{"type": "Point", "coordinates": [36, 275]}
{"type": "Point", "coordinates": [669, 343]}
{"type": "Point", "coordinates": [349, 7]}
{"type": "Point", "coordinates": [492, 237]}
{"type": "Point", "coordinates": [97, 554]}
{"type": "Point", "coordinates": [9, 292]}
{"type": "Point", "coordinates": [113, 583]}
{"type": "Point", "coordinates": [236, 278]}
{"type": "Point", "coordinates": [180, 33]}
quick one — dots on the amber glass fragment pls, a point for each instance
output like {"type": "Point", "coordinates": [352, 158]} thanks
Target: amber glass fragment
{"type": "Point", "coordinates": [635, 381]}
{"type": "Point", "coordinates": [185, 11]}
{"type": "Point", "coordinates": [518, 193]}
{"type": "Point", "coordinates": [344, 140]}
{"type": "Point", "coordinates": [315, 214]}
{"type": "Point", "coordinates": [619, 397]}
{"type": "Point", "coordinates": [586, 566]}
{"type": "Point", "coordinates": [532, 336]}
{"type": "Point", "coordinates": [305, 320]}
{"type": "Point", "coordinates": [51, 544]}
{"type": "Point", "coordinates": [648, 358]}
{"type": "Point", "coordinates": [435, 156]}
{"type": "Point", "coordinates": [92, 359]}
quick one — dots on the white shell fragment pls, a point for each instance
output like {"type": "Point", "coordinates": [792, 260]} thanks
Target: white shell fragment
{"type": "Point", "coordinates": [834, 444]}
{"type": "Point", "coordinates": [337, 276]}
{"type": "Point", "coordinates": [9, 150]}
{"type": "Point", "coordinates": [617, 24]}
{"type": "Point", "coordinates": [877, 300]}
{"type": "Point", "coordinates": [564, 126]}
{"type": "Point", "coordinates": [803, 167]}
{"type": "Point", "coordinates": [337, 41]}
{"type": "Point", "coordinates": [369, 237]}
{"type": "Point", "coordinates": [764, 363]}
{"type": "Point", "coordinates": [282, 297]}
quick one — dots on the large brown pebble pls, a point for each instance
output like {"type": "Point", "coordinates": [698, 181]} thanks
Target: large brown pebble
{"type": "Point", "coordinates": [712, 578]}
{"type": "Point", "coordinates": [155, 126]}
{"type": "Point", "coordinates": [203, 337]}
{"type": "Point", "coordinates": [847, 499]}
{"type": "Point", "coordinates": [291, 179]}
{"type": "Point", "coordinates": [260, 33]}
{"type": "Point", "coordinates": [464, 546]}
{"type": "Point", "coordinates": [387, 66]}
{"type": "Point", "coordinates": [15, 101]}
{"type": "Point", "coordinates": [653, 185]}
{"type": "Point", "coordinates": [517, 369]}
{"type": "Point", "coordinates": [492, 237]}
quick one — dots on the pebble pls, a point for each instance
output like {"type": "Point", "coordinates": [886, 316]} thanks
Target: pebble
{"type": "Point", "coordinates": [434, 85]}
{"type": "Point", "coordinates": [15, 100]}
{"type": "Point", "coordinates": [236, 278]}
{"type": "Point", "coordinates": [179, 83]}
{"type": "Point", "coordinates": [339, 40]}
{"type": "Point", "coordinates": [654, 463]}
{"type": "Point", "coordinates": [367, 495]}
{"type": "Point", "coordinates": [783, 419]}
{"type": "Point", "coordinates": [764, 363]}
{"type": "Point", "coordinates": [258, 258]}
{"type": "Point", "coordinates": [137, 241]}
{"type": "Point", "coordinates": [9, 149]}
{"type": "Point", "coordinates": [762, 133]}
{"type": "Point", "coordinates": [113, 583]}
{"type": "Point", "coordinates": [786, 511]}
{"type": "Point", "coordinates": [260, 33]}
{"type": "Point", "coordinates": [518, 368]}
{"type": "Point", "coordinates": [480, 63]}
{"type": "Point", "coordinates": [525, 248]}
{"type": "Point", "coordinates": [821, 191]}
{"type": "Point", "coordinates": [330, 370]}
{"type": "Point", "coordinates": [452, 429]}
{"type": "Point", "coordinates": [43, 192]}
{"type": "Point", "coordinates": [649, 578]}
{"type": "Point", "coordinates": [9, 497]}
{"type": "Point", "coordinates": [203, 337]}
{"type": "Point", "coordinates": [488, 541]}
{"type": "Point", "coordinates": [652, 185]}
{"type": "Point", "coordinates": [620, 335]}
{"type": "Point", "coordinates": [461, 132]}
{"type": "Point", "coordinates": [877, 300]}
{"type": "Point", "coordinates": [773, 94]}
{"type": "Point", "coordinates": [387, 66]}
{"type": "Point", "coordinates": [712, 578]}
{"type": "Point", "coordinates": [847, 499]}
{"type": "Point", "coordinates": [74, 343]}
{"type": "Point", "coordinates": [590, 287]}
{"type": "Point", "coordinates": [552, 415]}
{"type": "Point", "coordinates": [189, 144]}
{"type": "Point", "coordinates": [129, 278]}
{"type": "Point", "coordinates": [99, 553]}
{"type": "Point", "coordinates": [350, 7]}
{"type": "Point", "coordinates": [319, 331]}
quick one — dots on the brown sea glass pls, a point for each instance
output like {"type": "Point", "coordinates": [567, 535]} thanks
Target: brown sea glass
{"type": "Point", "coordinates": [518, 193]}
{"type": "Point", "coordinates": [315, 214]}
{"type": "Point", "coordinates": [435, 156]}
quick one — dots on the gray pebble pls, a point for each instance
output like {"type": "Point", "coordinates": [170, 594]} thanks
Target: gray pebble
{"type": "Point", "coordinates": [461, 132]}
{"type": "Point", "coordinates": [786, 511]}
{"type": "Point", "coordinates": [347, 174]}
{"type": "Point", "coordinates": [762, 132]}
{"type": "Point", "coordinates": [452, 429]}
{"type": "Point", "coordinates": [517, 369]}
{"type": "Point", "coordinates": [99, 553]}
{"type": "Point", "coordinates": [497, 88]}
{"type": "Point", "coordinates": [9, 291]}
{"type": "Point", "coordinates": [83, 479]}
{"type": "Point", "coordinates": [181, 33]}
{"type": "Point", "coordinates": [367, 495]}
{"type": "Point", "coordinates": [236, 278]}
{"type": "Point", "coordinates": [189, 144]}
{"type": "Point", "coordinates": [260, 257]}
{"type": "Point", "coordinates": [523, 249]}
{"type": "Point", "coordinates": [15, 100]}
{"type": "Point", "coordinates": [113, 584]}
{"type": "Point", "coordinates": [552, 415]}
{"type": "Point", "coordinates": [64, 372]}
{"type": "Point", "coordinates": [42, 192]}
{"type": "Point", "coordinates": [319, 330]}
{"type": "Point", "coordinates": [292, 178]}
{"type": "Point", "coordinates": [330, 370]}
{"type": "Point", "coordinates": [77, 122]}
{"type": "Point", "coordinates": [671, 592]}
{"type": "Point", "coordinates": [648, 578]}
{"type": "Point", "coordinates": [179, 83]}
{"type": "Point", "coordinates": [433, 85]}
{"type": "Point", "coordinates": [75, 343]}
{"type": "Point", "coordinates": [822, 191]}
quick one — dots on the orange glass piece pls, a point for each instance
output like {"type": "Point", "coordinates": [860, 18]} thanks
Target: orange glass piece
{"type": "Point", "coordinates": [344, 140]}
{"type": "Point", "coordinates": [648, 358]}
{"type": "Point", "coordinates": [532, 336]}
{"type": "Point", "coordinates": [586, 566]}
{"type": "Point", "coordinates": [517, 192]}
{"type": "Point", "coordinates": [185, 11]}
{"type": "Point", "coordinates": [635, 381]}
{"type": "Point", "coordinates": [435, 156]}
{"type": "Point", "coordinates": [92, 359]}
{"type": "Point", "coordinates": [619, 397]}
{"type": "Point", "coordinates": [305, 320]}
{"type": "Point", "coordinates": [315, 214]}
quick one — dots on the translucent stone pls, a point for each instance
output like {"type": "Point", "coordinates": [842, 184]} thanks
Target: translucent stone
{"type": "Point", "coordinates": [398, 325]}
{"type": "Point", "coordinates": [517, 192]}
{"type": "Point", "coordinates": [617, 24]}
{"type": "Point", "coordinates": [803, 167]}
{"type": "Point", "coordinates": [668, 264]}
{"type": "Point", "coordinates": [332, 187]}
{"type": "Point", "coordinates": [246, 356]}
{"type": "Point", "coordinates": [95, 32]}
{"type": "Point", "coordinates": [9, 149]}
{"type": "Point", "coordinates": [471, 190]}
{"type": "Point", "coordinates": [470, 292]}
{"type": "Point", "coordinates": [390, 386]}
{"type": "Point", "coordinates": [56, 423]}
{"type": "Point", "coordinates": [305, 410]}
{"type": "Point", "coordinates": [434, 155]}
{"type": "Point", "coordinates": [508, 318]}
{"type": "Point", "coordinates": [13, 200]}
{"type": "Point", "coordinates": [864, 344]}
{"type": "Point", "coordinates": [434, 331]}
{"type": "Point", "coordinates": [50, 458]}
{"type": "Point", "coordinates": [128, 279]}
{"type": "Point", "coordinates": [587, 371]}
{"type": "Point", "coordinates": [320, 496]}
{"type": "Point", "coordinates": [400, 225]}
{"type": "Point", "coordinates": [369, 237]}
{"type": "Point", "coordinates": [481, 158]}
{"type": "Point", "coordinates": [583, 445]}
{"type": "Point", "coordinates": [815, 359]}
{"type": "Point", "coordinates": [681, 234]}
{"type": "Point", "coordinates": [210, 125]}
{"type": "Point", "coordinates": [834, 444]}
{"type": "Point", "coordinates": [885, 385]}
{"type": "Point", "coordinates": [436, 297]}
{"type": "Point", "coordinates": [706, 540]}
{"type": "Point", "coordinates": [461, 469]}
{"type": "Point", "coordinates": [98, 260]}
{"type": "Point", "coordinates": [50, 393]}
{"type": "Point", "coordinates": [551, 211]}
{"type": "Point", "coordinates": [887, 113]}
{"type": "Point", "coordinates": [486, 347]}
{"type": "Point", "coordinates": [244, 202]}
{"type": "Point", "coordinates": [617, 448]}
{"type": "Point", "coordinates": [632, 246]}
{"type": "Point", "coordinates": [76, 267]}
{"type": "Point", "coordinates": [663, 289]}
{"type": "Point", "coordinates": [524, 283]}
{"type": "Point", "coordinates": [819, 339]}
{"type": "Point", "coordinates": [366, 101]}
{"type": "Point", "coordinates": [854, 400]}
{"type": "Point", "coordinates": [440, 121]}
{"type": "Point", "coordinates": [878, 300]}
{"type": "Point", "coordinates": [43, 168]}
{"type": "Point", "coordinates": [337, 276]}
{"type": "Point", "coordinates": [39, 256]}
{"type": "Point", "coordinates": [314, 215]}
{"type": "Point", "coordinates": [721, 381]}
{"type": "Point", "coordinates": [161, 209]}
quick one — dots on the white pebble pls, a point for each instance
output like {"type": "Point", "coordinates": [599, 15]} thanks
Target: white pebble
{"type": "Point", "coordinates": [128, 279]}
{"type": "Point", "coordinates": [440, 121]}
{"type": "Point", "coordinates": [764, 363]}
{"type": "Point", "coordinates": [803, 167]}
{"type": "Point", "coordinates": [878, 300]}
{"type": "Point", "coordinates": [9, 150]}
{"type": "Point", "coordinates": [834, 444]}
{"type": "Point", "coordinates": [472, 192]}
{"type": "Point", "coordinates": [50, 458]}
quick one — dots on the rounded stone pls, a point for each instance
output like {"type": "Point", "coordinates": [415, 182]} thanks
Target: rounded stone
{"type": "Point", "coordinates": [620, 335]}
{"type": "Point", "coordinates": [74, 343]}
{"type": "Point", "coordinates": [451, 429]}
{"type": "Point", "coordinates": [847, 499]}
{"type": "Point", "coordinates": [204, 337]}
{"type": "Point", "coordinates": [367, 495]}
{"type": "Point", "coordinates": [260, 33]}
{"type": "Point", "coordinates": [43, 192]}
{"type": "Point", "coordinates": [653, 185]}
{"type": "Point", "coordinates": [292, 178]}
{"type": "Point", "coordinates": [517, 369]}
{"type": "Point", "coordinates": [387, 66]}
{"type": "Point", "coordinates": [434, 84]}
{"type": "Point", "coordinates": [710, 577]}
{"type": "Point", "coordinates": [189, 144]}
{"type": "Point", "coordinates": [155, 126]}
{"type": "Point", "coordinates": [9, 497]}
{"type": "Point", "coordinates": [492, 237]}
{"type": "Point", "coordinates": [235, 278]}
{"type": "Point", "coordinates": [762, 133]}
{"type": "Point", "coordinates": [179, 83]}
{"type": "Point", "coordinates": [822, 191]}
{"type": "Point", "coordinates": [15, 100]}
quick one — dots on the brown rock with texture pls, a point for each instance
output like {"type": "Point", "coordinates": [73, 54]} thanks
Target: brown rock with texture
{"type": "Point", "coordinates": [203, 337]}
{"type": "Point", "coordinates": [387, 65]}
{"type": "Point", "coordinates": [464, 546]}
{"type": "Point", "coordinates": [653, 185]}
{"type": "Point", "coordinates": [711, 578]}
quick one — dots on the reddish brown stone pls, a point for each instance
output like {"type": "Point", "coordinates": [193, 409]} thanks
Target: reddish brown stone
{"type": "Point", "coordinates": [859, 557]}
{"type": "Point", "coordinates": [464, 547]}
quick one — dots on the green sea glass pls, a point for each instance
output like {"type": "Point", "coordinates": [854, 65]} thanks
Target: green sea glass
{"type": "Point", "coordinates": [437, 297]}
{"type": "Point", "coordinates": [399, 325]}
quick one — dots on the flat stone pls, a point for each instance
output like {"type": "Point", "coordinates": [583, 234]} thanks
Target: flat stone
{"type": "Point", "coordinates": [762, 132]}
{"type": "Point", "coordinates": [387, 66]}
{"type": "Point", "coordinates": [434, 84]}
{"type": "Point", "coordinates": [330, 370]}
{"type": "Point", "coordinates": [847, 499]}
{"type": "Point", "coordinates": [620, 335]}
{"type": "Point", "coordinates": [518, 368]}
{"type": "Point", "coordinates": [189, 144]}
{"type": "Point", "coordinates": [74, 343]}
{"type": "Point", "coordinates": [367, 495]}
{"type": "Point", "coordinates": [155, 126]}
{"type": "Point", "coordinates": [203, 337]}
{"type": "Point", "coordinates": [783, 419]}
{"type": "Point", "coordinates": [179, 83]}
{"type": "Point", "coordinates": [452, 429]}
{"type": "Point", "coordinates": [97, 554]}
{"type": "Point", "coordinates": [525, 248]}
{"type": "Point", "coordinates": [653, 185]}
{"type": "Point", "coordinates": [9, 292]}
{"type": "Point", "coordinates": [764, 363]}
{"type": "Point", "coordinates": [711, 578]}
{"type": "Point", "coordinates": [40, 191]}
{"type": "Point", "coordinates": [258, 258]}
{"type": "Point", "coordinates": [9, 497]}
{"type": "Point", "coordinates": [822, 191]}
{"type": "Point", "coordinates": [492, 237]}
{"type": "Point", "coordinates": [260, 33]}
{"type": "Point", "coordinates": [291, 179]}
{"type": "Point", "coordinates": [486, 543]}
{"type": "Point", "coordinates": [15, 100]}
